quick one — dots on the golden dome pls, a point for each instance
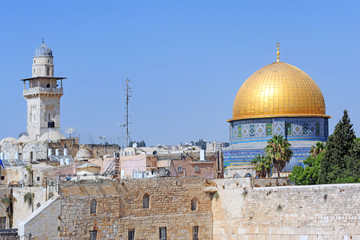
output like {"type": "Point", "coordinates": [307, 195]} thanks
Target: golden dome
{"type": "Point", "coordinates": [278, 90]}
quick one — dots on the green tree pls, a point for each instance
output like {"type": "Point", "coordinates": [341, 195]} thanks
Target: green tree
{"type": "Point", "coordinates": [308, 175]}
{"type": "Point", "coordinates": [29, 199]}
{"type": "Point", "coordinates": [352, 173]}
{"type": "Point", "coordinates": [31, 173]}
{"type": "Point", "coordinates": [262, 166]}
{"type": "Point", "coordinates": [138, 144]}
{"type": "Point", "coordinates": [279, 152]}
{"type": "Point", "coordinates": [8, 202]}
{"type": "Point", "coordinates": [201, 143]}
{"type": "Point", "coordinates": [338, 146]}
{"type": "Point", "coordinates": [318, 148]}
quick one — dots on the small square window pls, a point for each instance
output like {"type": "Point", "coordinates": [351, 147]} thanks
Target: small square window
{"type": "Point", "coordinates": [38, 179]}
{"type": "Point", "coordinates": [2, 178]}
{"type": "Point", "coordinates": [180, 169]}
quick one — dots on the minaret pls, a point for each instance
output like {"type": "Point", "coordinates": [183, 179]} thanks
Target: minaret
{"type": "Point", "coordinates": [42, 93]}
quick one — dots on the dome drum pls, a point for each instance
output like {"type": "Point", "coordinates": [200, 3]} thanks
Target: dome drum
{"type": "Point", "coordinates": [292, 128]}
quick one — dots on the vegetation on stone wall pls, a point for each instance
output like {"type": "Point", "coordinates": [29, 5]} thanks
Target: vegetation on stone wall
{"type": "Point", "coordinates": [338, 162]}
{"type": "Point", "coordinates": [8, 202]}
{"type": "Point", "coordinates": [29, 199]}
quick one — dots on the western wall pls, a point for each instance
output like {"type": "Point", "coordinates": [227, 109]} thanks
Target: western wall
{"type": "Point", "coordinates": [238, 208]}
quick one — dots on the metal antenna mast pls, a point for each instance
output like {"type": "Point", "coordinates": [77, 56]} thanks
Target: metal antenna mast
{"type": "Point", "coordinates": [128, 95]}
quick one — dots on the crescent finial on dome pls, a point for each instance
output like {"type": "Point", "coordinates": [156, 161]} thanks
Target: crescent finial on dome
{"type": "Point", "coordinates": [278, 52]}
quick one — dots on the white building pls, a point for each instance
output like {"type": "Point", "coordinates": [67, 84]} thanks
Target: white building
{"type": "Point", "coordinates": [42, 93]}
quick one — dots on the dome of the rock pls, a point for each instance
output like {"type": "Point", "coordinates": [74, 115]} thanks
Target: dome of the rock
{"type": "Point", "coordinates": [278, 90]}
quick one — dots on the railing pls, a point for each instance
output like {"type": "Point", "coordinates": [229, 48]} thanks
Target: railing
{"type": "Point", "coordinates": [36, 90]}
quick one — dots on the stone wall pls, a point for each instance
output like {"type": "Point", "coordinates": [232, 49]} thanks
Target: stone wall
{"type": "Point", "coordinates": [120, 208]}
{"type": "Point", "coordinates": [42, 223]}
{"type": "Point", "coordinates": [289, 212]}
{"type": "Point", "coordinates": [22, 209]}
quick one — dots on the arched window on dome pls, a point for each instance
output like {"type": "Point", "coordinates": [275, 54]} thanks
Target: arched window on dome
{"type": "Point", "coordinates": [93, 206]}
{"type": "Point", "coordinates": [146, 201]}
{"type": "Point", "coordinates": [193, 204]}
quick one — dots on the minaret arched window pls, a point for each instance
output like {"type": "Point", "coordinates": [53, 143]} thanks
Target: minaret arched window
{"type": "Point", "coordinates": [146, 201]}
{"type": "Point", "coordinates": [48, 71]}
{"type": "Point", "coordinates": [48, 85]}
{"type": "Point", "coordinates": [93, 206]}
{"type": "Point", "coordinates": [193, 204]}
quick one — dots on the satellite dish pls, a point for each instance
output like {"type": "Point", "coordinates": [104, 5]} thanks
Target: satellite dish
{"type": "Point", "coordinates": [134, 145]}
{"type": "Point", "coordinates": [70, 131]}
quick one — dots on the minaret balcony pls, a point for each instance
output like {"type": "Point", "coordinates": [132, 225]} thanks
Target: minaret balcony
{"type": "Point", "coordinates": [42, 90]}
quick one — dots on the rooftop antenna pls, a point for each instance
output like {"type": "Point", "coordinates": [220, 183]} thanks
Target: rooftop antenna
{"type": "Point", "coordinates": [70, 131]}
{"type": "Point", "coordinates": [278, 52]}
{"type": "Point", "coordinates": [128, 95]}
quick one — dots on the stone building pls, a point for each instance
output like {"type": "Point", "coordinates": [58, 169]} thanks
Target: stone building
{"type": "Point", "coordinates": [172, 161]}
{"type": "Point", "coordinates": [178, 208]}
{"type": "Point", "coordinates": [194, 208]}
{"type": "Point", "coordinates": [42, 93]}
{"type": "Point", "coordinates": [278, 99]}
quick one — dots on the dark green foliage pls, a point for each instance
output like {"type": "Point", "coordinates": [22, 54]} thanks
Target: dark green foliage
{"type": "Point", "coordinates": [318, 148]}
{"type": "Point", "coordinates": [308, 175]}
{"type": "Point", "coordinates": [138, 144]}
{"type": "Point", "coordinates": [262, 166]}
{"type": "Point", "coordinates": [279, 152]}
{"type": "Point", "coordinates": [335, 163]}
{"type": "Point", "coordinates": [201, 143]}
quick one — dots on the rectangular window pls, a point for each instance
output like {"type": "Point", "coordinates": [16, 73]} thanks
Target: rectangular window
{"type": "Point", "coordinates": [2, 178]}
{"type": "Point", "coordinates": [38, 179]}
{"type": "Point", "coordinates": [131, 234]}
{"type": "Point", "coordinates": [180, 169]}
{"type": "Point", "coordinates": [2, 222]}
{"type": "Point", "coordinates": [195, 233]}
{"type": "Point", "coordinates": [162, 233]}
{"type": "Point", "coordinates": [93, 234]}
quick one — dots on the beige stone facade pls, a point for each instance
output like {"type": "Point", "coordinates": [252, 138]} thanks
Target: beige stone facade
{"type": "Point", "coordinates": [322, 212]}
{"type": "Point", "coordinates": [120, 209]}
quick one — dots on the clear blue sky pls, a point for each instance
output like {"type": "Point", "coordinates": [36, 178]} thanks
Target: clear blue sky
{"type": "Point", "coordinates": [186, 60]}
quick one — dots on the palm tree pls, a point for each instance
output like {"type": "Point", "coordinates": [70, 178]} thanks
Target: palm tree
{"type": "Point", "coordinates": [29, 199]}
{"type": "Point", "coordinates": [262, 166]}
{"type": "Point", "coordinates": [8, 202]}
{"type": "Point", "coordinates": [30, 172]}
{"type": "Point", "coordinates": [279, 152]}
{"type": "Point", "coordinates": [318, 148]}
